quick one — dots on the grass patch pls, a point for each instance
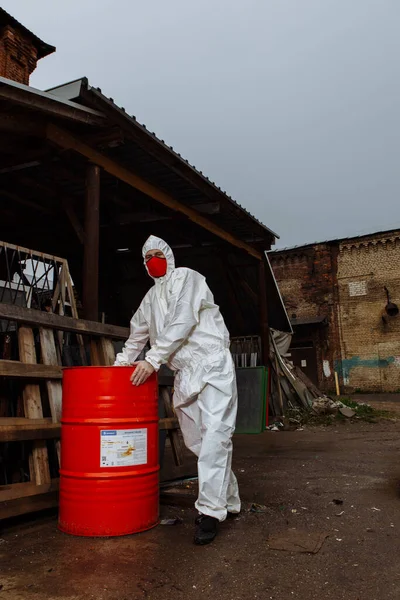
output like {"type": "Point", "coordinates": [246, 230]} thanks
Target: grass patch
{"type": "Point", "coordinates": [363, 412]}
{"type": "Point", "coordinates": [367, 413]}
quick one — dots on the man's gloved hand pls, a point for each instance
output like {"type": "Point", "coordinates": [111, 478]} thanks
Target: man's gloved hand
{"type": "Point", "coordinates": [142, 372]}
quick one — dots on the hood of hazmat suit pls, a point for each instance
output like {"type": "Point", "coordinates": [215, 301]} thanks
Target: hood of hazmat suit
{"type": "Point", "coordinates": [186, 331]}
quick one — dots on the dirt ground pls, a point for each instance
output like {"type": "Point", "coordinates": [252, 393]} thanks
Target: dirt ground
{"type": "Point", "coordinates": [296, 475]}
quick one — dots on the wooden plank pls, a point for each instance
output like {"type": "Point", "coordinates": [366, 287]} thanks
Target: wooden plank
{"type": "Point", "coordinates": [24, 498]}
{"type": "Point", "coordinates": [95, 360]}
{"type": "Point", "coordinates": [37, 318]}
{"type": "Point", "coordinates": [65, 140]}
{"type": "Point", "coordinates": [40, 472]}
{"type": "Point", "coordinates": [74, 311]}
{"type": "Point", "coordinates": [25, 506]}
{"type": "Point", "coordinates": [19, 430]}
{"type": "Point", "coordinates": [25, 490]}
{"type": "Point", "coordinates": [61, 311]}
{"type": "Point", "coordinates": [17, 369]}
{"type": "Point", "coordinates": [32, 253]}
{"type": "Point", "coordinates": [22, 429]}
{"type": "Point", "coordinates": [106, 351]}
{"type": "Point", "coordinates": [49, 357]}
{"type": "Point", "coordinates": [175, 440]}
{"type": "Point", "coordinates": [168, 423]}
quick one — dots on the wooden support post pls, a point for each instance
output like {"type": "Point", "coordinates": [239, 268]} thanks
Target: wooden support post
{"type": "Point", "coordinates": [91, 246]}
{"type": "Point", "coordinates": [263, 312]}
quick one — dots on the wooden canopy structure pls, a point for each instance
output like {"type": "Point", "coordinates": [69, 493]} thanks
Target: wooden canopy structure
{"type": "Point", "coordinates": [81, 179]}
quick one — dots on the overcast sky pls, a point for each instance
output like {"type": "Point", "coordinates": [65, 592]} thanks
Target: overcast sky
{"type": "Point", "coordinates": [291, 106]}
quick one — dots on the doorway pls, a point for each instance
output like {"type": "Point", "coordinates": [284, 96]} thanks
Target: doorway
{"type": "Point", "coordinates": [304, 356]}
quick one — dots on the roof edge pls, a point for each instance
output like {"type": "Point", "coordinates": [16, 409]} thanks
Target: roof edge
{"type": "Point", "coordinates": [133, 121]}
{"type": "Point", "coordinates": [334, 240]}
{"type": "Point", "coordinates": [81, 86]}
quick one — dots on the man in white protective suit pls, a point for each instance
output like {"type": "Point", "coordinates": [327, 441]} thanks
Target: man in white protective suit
{"type": "Point", "coordinates": [187, 332]}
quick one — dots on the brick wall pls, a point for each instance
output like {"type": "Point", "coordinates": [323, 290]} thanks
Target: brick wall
{"type": "Point", "coordinates": [370, 348]}
{"type": "Point", "coordinates": [18, 56]}
{"type": "Point", "coordinates": [307, 280]}
{"type": "Point", "coordinates": [344, 281]}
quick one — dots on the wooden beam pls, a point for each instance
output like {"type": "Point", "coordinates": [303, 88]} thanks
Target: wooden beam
{"type": "Point", "coordinates": [90, 275]}
{"type": "Point", "coordinates": [23, 498]}
{"type": "Point", "coordinates": [20, 430]}
{"type": "Point", "coordinates": [168, 423]}
{"type": "Point", "coordinates": [50, 105]}
{"type": "Point", "coordinates": [17, 369]}
{"type": "Point", "coordinates": [30, 252]}
{"type": "Point", "coordinates": [67, 141]}
{"type": "Point", "coordinates": [37, 318]}
{"type": "Point", "coordinates": [73, 219]}
{"type": "Point", "coordinates": [263, 300]}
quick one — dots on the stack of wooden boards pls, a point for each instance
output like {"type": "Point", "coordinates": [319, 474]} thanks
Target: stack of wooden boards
{"type": "Point", "coordinates": [34, 421]}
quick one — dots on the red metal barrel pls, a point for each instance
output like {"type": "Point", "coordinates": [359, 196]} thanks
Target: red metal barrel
{"type": "Point", "coordinates": [109, 453]}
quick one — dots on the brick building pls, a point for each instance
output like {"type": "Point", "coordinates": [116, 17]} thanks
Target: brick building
{"type": "Point", "coordinates": [20, 49]}
{"type": "Point", "coordinates": [337, 295]}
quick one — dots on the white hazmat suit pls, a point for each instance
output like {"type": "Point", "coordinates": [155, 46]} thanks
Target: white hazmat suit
{"type": "Point", "coordinates": [187, 333]}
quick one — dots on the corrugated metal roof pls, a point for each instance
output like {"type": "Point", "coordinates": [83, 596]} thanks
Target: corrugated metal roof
{"type": "Point", "coordinates": [27, 90]}
{"type": "Point", "coordinates": [41, 46]}
{"type": "Point", "coordinates": [80, 89]}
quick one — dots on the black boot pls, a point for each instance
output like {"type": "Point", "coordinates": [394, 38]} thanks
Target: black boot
{"type": "Point", "coordinates": [206, 530]}
{"type": "Point", "coordinates": [231, 516]}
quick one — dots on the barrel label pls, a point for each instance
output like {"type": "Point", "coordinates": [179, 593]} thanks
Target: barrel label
{"type": "Point", "coordinates": [123, 447]}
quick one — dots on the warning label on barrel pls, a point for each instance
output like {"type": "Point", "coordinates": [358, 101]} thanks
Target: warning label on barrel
{"type": "Point", "coordinates": [123, 447]}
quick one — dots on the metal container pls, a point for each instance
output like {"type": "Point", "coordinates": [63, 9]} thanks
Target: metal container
{"type": "Point", "coordinates": [109, 477]}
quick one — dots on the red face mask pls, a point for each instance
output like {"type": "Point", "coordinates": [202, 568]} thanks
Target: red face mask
{"type": "Point", "coordinates": [156, 266]}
